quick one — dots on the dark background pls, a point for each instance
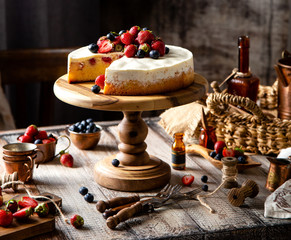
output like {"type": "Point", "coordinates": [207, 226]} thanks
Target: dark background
{"type": "Point", "coordinates": [208, 28]}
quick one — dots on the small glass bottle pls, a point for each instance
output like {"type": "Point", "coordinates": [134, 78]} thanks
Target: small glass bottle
{"type": "Point", "coordinates": [178, 152]}
{"type": "Point", "coordinates": [244, 83]}
{"type": "Point", "coordinates": [207, 137]}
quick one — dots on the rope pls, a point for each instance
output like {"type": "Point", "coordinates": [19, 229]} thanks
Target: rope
{"type": "Point", "coordinates": [66, 220]}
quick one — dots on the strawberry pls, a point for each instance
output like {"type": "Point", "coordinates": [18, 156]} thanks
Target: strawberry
{"type": "Point", "coordinates": [228, 152]}
{"type": "Point", "coordinates": [6, 218]}
{"type": "Point", "coordinates": [159, 45]}
{"type": "Point", "coordinates": [130, 50]}
{"type": "Point", "coordinates": [12, 205]}
{"type": "Point", "coordinates": [52, 139]}
{"type": "Point", "coordinates": [100, 40]}
{"type": "Point", "coordinates": [238, 152]}
{"type": "Point", "coordinates": [25, 139]}
{"type": "Point", "coordinates": [27, 202]}
{"type": "Point", "coordinates": [23, 213]}
{"type": "Point", "coordinates": [100, 81]}
{"type": "Point", "coordinates": [42, 209]}
{"type": "Point", "coordinates": [126, 38]}
{"type": "Point", "coordinates": [145, 47]}
{"type": "Point", "coordinates": [41, 135]}
{"type": "Point", "coordinates": [106, 46]}
{"type": "Point", "coordinates": [134, 30]}
{"type": "Point", "coordinates": [219, 146]}
{"type": "Point", "coordinates": [145, 37]}
{"type": "Point", "coordinates": [117, 40]}
{"type": "Point", "coordinates": [46, 141]}
{"type": "Point", "coordinates": [187, 180]}
{"type": "Point", "coordinates": [1, 197]}
{"type": "Point", "coordinates": [67, 160]}
{"type": "Point", "coordinates": [31, 131]}
{"type": "Point", "coordinates": [77, 221]}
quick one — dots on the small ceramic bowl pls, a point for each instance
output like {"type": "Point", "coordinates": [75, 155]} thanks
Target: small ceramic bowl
{"type": "Point", "coordinates": [85, 141]}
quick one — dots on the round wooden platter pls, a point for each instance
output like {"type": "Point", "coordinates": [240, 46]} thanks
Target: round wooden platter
{"type": "Point", "coordinates": [80, 94]}
{"type": "Point", "coordinates": [137, 171]}
{"type": "Point", "coordinates": [204, 152]}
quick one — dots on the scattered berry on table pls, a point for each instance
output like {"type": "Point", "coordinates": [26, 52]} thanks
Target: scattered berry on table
{"type": "Point", "coordinates": [93, 47]}
{"type": "Point", "coordinates": [12, 205]}
{"type": "Point", "coordinates": [95, 89]}
{"type": "Point", "coordinates": [205, 188]}
{"type": "Point", "coordinates": [42, 209]}
{"type": "Point", "coordinates": [212, 154]}
{"type": "Point", "coordinates": [24, 213]}
{"type": "Point", "coordinates": [187, 180]}
{"type": "Point", "coordinates": [67, 160]}
{"type": "Point", "coordinates": [89, 197]}
{"type": "Point", "coordinates": [115, 162]}
{"type": "Point", "coordinates": [6, 218]}
{"type": "Point", "coordinates": [27, 202]}
{"type": "Point", "coordinates": [77, 221]}
{"type": "Point", "coordinates": [204, 178]}
{"type": "Point", "coordinates": [218, 156]}
{"type": "Point", "coordinates": [83, 191]}
{"type": "Point", "coordinates": [241, 159]}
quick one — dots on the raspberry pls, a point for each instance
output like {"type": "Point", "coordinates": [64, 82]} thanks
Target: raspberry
{"type": "Point", "coordinates": [100, 81]}
{"type": "Point", "coordinates": [126, 38]}
{"type": "Point", "coordinates": [130, 50]}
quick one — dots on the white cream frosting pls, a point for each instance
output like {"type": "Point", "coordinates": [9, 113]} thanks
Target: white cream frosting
{"type": "Point", "coordinates": [146, 69]}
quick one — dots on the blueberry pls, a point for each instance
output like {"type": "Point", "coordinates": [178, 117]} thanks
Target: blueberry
{"type": "Point", "coordinates": [204, 178]}
{"type": "Point", "coordinates": [95, 89]}
{"type": "Point", "coordinates": [115, 162]}
{"type": "Point", "coordinates": [110, 36]}
{"type": "Point", "coordinates": [154, 54]}
{"type": "Point", "coordinates": [145, 28]}
{"type": "Point", "coordinates": [121, 32]}
{"type": "Point", "coordinates": [89, 120]}
{"type": "Point", "coordinates": [205, 188]}
{"type": "Point", "coordinates": [212, 154]}
{"type": "Point", "coordinates": [218, 156]}
{"type": "Point", "coordinates": [93, 47]}
{"type": "Point", "coordinates": [167, 50]}
{"type": "Point", "coordinates": [140, 53]}
{"type": "Point", "coordinates": [38, 141]}
{"type": "Point", "coordinates": [83, 190]}
{"type": "Point", "coordinates": [241, 159]}
{"type": "Point", "coordinates": [89, 197]}
{"type": "Point", "coordinates": [50, 135]}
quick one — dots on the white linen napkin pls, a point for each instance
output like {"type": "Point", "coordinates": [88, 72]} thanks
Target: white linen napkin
{"type": "Point", "coordinates": [278, 204]}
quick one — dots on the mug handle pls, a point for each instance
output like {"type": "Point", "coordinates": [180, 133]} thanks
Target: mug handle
{"type": "Point", "coordinates": [38, 150]}
{"type": "Point", "coordinates": [29, 168]}
{"type": "Point", "coordinates": [69, 141]}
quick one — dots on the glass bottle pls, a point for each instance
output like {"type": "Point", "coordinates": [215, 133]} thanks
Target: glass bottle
{"type": "Point", "coordinates": [178, 152]}
{"type": "Point", "coordinates": [244, 83]}
{"type": "Point", "coordinates": [207, 137]}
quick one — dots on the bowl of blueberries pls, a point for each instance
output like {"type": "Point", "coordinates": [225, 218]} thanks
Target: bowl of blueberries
{"type": "Point", "coordinates": [85, 134]}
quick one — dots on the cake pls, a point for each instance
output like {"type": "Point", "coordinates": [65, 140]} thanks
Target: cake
{"type": "Point", "coordinates": [150, 68]}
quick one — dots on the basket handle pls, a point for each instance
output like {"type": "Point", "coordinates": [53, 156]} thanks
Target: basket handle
{"type": "Point", "coordinates": [218, 102]}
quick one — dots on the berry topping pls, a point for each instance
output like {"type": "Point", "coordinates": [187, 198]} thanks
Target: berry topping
{"type": "Point", "coordinates": [95, 89]}
{"type": "Point", "coordinates": [145, 37]}
{"type": "Point", "coordinates": [140, 53]}
{"type": "Point", "coordinates": [106, 46]}
{"type": "Point", "coordinates": [130, 50]}
{"type": "Point", "coordinates": [134, 30]}
{"type": "Point", "coordinates": [205, 188]}
{"type": "Point", "coordinates": [167, 50]}
{"type": "Point", "coordinates": [118, 48]}
{"type": "Point", "coordinates": [154, 54]}
{"type": "Point", "coordinates": [89, 197]}
{"type": "Point", "coordinates": [159, 45]}
{"type": "Point", "coordinates": [212, 154]}
{"type": "Point", "coordinates": [101, 40]}
{"type": "Point", "coordinates": [121, 32]}
{"type": "Point", "coordinates": [93, 47]}
{"type": "Point", "coordinates": [126, 38]}
{"type": "Point", "coordinates": [83, 191]}
{"type": "Point", "coordinates": [110, 36]}
{"type": "Point", "coordinates": [115, 162]}
{"type": "Point", "coordinates": [145, 47]}
{"type": "Point", "coordinates": [100, 81]}
{"type": "Point", "coordinates": [187, 180]}
{"type": "Point", "coordinates": [204, 178]}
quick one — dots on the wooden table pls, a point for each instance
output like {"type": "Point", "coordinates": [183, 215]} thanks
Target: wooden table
{"type": "Point", "coordinates": [181, 220]}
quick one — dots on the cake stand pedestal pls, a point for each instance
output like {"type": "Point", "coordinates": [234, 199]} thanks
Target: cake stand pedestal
{"type": "Point", "coordinates": [138, 171]}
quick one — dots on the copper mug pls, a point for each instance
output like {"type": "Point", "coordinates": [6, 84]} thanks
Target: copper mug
{"type": "Point", "coordinates": [279, 172]}
{"type": "Point", "coordinates": [283, 70]}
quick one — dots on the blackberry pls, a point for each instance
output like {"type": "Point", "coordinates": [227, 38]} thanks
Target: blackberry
{"type": "Point", "coordinates": [218, 156]}
{"type": "Point", "coordinates": [205, 188]}
{"type": "Point", "coordinates": [83, 190]}
{"type": "Point", "coordinates": [204, 178]}
{"type": "Point", "coordinates": [89, 197]}
{"type": "Point", "coordinates": [115, 162]}
{"type": "Point", "coordinates": [154, 54]}
{"type": "Point", "coordinates": [212, 154]}
{"type": "Point", "coordinates": [93, 47]}
{"type": "Point", "coordinates": [95, 89]}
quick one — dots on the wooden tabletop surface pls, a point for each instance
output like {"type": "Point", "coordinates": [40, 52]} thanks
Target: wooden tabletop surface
{"type": "Point", "coordinates": [186, 219]}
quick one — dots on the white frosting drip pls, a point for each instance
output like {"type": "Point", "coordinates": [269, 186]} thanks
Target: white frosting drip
{"type": "Point", "coordinates": [146, 70]}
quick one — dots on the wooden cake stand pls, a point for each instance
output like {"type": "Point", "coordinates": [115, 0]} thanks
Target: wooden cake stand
{"type": "Point", "coordinates": [138, 171]}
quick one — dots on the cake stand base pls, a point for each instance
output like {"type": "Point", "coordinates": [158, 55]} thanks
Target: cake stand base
{"type": "Point", "coordinates": [154, 174]}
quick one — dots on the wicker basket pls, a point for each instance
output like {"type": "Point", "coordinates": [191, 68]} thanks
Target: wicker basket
{"type": "Point", "coordinates": [254, 132]}
{"type": "Point", "coordinates": [268, 96]}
